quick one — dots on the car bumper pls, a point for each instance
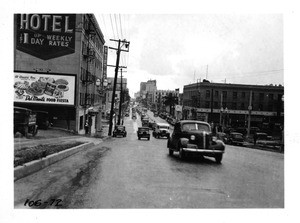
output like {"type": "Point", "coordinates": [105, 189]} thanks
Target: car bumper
{"type": "Point", "coordinates": [204, 151]}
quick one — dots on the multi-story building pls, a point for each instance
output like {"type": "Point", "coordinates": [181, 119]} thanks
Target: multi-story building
{"type": "Point", "coordinates": [218, 102]}
{"type": "Point", "coordinates": [58, 59]}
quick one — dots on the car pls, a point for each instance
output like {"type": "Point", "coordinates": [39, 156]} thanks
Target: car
{"type": "Point", "coordinates": [42, 119]}
{"type": "Point", "coordinates": [192, 136]}
{"type": "Point", "coordinates": [119, 130]}
{"type": "Point", "coordinates": [25, 121]}
{"type": "Point", "coordinates": [161, 130]}
{"type": "Point", "coordinates": [235, 138]}
{"type": "Point", "coordinates": [126, 114]}
{"type": "Point", "coordinates": [143, 132]}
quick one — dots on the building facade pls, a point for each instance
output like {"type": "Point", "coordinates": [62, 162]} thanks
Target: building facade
{"type": "Point", "coordinates": [229, 104]}
{"type": "Point", "coordinates": [57, 60]}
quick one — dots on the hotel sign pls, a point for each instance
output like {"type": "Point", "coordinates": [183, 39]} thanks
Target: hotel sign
{"type": "Point", "coordinates": [45, 36]}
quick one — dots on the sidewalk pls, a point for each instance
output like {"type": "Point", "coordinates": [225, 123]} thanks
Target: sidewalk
{"type": "Point", "coordinates": [53, 137]}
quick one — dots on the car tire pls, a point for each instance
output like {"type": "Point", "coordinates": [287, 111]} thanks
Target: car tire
{"type": "Point", "coordinates": [148, 138]}
{"type": "Point", "coordinates": [181, 153]}
{"type": "Point", "coordinates": [219, 158]}
{"type": "Point", "coordinates": [139, 138]}
{"type": "Point", "coordinates": [170, 152]}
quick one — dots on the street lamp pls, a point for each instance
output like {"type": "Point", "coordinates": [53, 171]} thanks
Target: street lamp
{"type": "Point", "coordinates": [101, 94]}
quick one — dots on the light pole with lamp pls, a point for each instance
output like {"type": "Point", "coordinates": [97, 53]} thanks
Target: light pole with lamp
{"type": "Point", "coordinates": [101, 94]}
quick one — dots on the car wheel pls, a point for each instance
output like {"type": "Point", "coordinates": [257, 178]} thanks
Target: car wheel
{"type": "Point", "coordinates": [218, 158]}
{"type": "Point", "coordinates": [148, 138]}
{"type": "Point", "coordinates": [139, 138]}
{"type": "Point", "coordinates": [171, 152]}
{"type": "Point", "coordinates": [181, 153]}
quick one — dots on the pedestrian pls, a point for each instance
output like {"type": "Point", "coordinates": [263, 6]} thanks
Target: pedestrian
{"type": "Point", "coordinates": [255, 138]}
{"type": "Point", "coordinates": [86, 127]}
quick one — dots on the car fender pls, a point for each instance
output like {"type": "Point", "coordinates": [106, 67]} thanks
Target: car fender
{"type": "Point", "coordinates": [219, 144]}
{"type": "Point", "coordinates": [184, 142]}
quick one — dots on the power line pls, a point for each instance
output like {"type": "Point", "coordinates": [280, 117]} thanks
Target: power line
{"type": "Point", "coordinates": [116, 26]}
{"type": "Point", "coordinates": [120, 26]}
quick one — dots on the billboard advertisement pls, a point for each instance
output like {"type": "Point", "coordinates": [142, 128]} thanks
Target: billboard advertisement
{"type": "Point", "coordinates": [45, 36]}
{"type": "Point", "coordinates": [44, 88]}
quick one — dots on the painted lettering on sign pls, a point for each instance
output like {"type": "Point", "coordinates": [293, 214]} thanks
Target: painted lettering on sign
{"type": "Point", "coordinates": [46, 36]}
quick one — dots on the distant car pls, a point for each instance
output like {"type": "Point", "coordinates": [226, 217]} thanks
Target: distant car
{"type": "Point", "coordinates": [190, 136]}
{"type": "Point", "coordinates": [161, 130]}
{"type": "Point", "coordinates": [119, 130]}
{"type": "Point", "coordinates": [143, 132]}
{"type": "Point", "coordinates": [126, 114]}
{"type": "Point", "coordinates": [235, 138]}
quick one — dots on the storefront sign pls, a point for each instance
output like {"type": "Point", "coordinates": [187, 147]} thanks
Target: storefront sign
{"type": "Point", "coordinates": [46, 36]}
{"type": "Point", "coordinates": [105, 62]}
{"type": "Point", "coordinates": [44, 88]}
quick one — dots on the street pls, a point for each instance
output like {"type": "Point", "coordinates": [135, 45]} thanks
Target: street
{"type": "Point", "coordinates": [131, 173]}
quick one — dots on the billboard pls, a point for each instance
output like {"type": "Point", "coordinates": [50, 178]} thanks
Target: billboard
{"type": "Point", "coordinates": [44, 88]}
{"type": "Point", "coordinates": [45, 36]}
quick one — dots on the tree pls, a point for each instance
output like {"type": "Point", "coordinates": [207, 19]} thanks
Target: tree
{"type": "Point", "coordinates": [171, 100]}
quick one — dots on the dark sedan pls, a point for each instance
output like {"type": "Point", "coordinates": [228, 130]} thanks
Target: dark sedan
{"type": "Point", "coordinates": [119, 130]}
{"type": "Point", "coordinates": [190, 136]}
{"type": "Point", "coordinates": [143, 132]}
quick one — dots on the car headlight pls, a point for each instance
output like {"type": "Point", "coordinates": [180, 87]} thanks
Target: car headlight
{"type": "Point", "coordinates": [193, 137]}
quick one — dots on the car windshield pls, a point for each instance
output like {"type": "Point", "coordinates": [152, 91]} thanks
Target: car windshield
{"type": "Point", "coordinates": [143, 129]}
{"type": "Point", "coordinates": [195, 126]}
{"type": "Point", "coordinates": [163, 127]}
{"type": "Point", "coordinates": [120, 127]}
{"type": "Point", "coordinates": [237, 136]}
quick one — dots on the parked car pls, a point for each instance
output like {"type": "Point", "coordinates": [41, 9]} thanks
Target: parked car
{"type": "Point", "coordinates": [143, 132]}
{"type": "Point", "coordinates": [42, 119]}
{"type": "Point", "coordinates": [191, 136]}
{"type": "Point", "coordinates": [119, 130]}
{"type": "Point", "coordinates": [151, 124]}
{"type": "Point", "coordinates": [25, 121]}
{"type": "Point", "coordinates": [235, 138]}
{"type": "Point", "coordinates": [161, 130]}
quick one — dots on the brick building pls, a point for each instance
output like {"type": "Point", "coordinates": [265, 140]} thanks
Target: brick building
{"type": "Point", "coordinates": [229, 104]}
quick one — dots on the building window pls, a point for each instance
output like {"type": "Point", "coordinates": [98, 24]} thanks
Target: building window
{"type": "Point", "coordinates": [271, 97]}
{"type": "Point", "coordinates": [234, 105]}
{"type": "Point", "coordinates": [270, 106]}
{"type": "Point", "coordinates": [243, 94]}
{"type": "Point", "coordinates": [216, 93]}
{"type": "Point", "coordinates": [207, 94]}
{"type": "Point", "coordinates": [261, 107]}
{"type": "Point", "coordinates": [224, 94]}
{"type": "Point", "coordinates": [242, 106]}
{"type": "Point", "coordinates": [252, 96]}
{"type": "Point", "coordinates": [261, 96]}
{"type": "Point", "coordinates": [224, 105]}
{"type": "Point", "coordinates": [234, 95]}
{"type": "Point", "coordinates": [216, 104]}
{"type": "Point", "coordinates": [207, 104]}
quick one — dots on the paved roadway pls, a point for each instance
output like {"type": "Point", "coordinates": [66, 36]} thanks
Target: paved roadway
{"type": "Point", "coordinates": [132, 173]}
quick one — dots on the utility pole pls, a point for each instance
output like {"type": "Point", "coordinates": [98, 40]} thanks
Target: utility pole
{"type": "Point", "coordinates": [121, 98]}
{"type": "Point", "coordinates": [115, 80]}
{"type": "Point", "coordinates": [249, 115]}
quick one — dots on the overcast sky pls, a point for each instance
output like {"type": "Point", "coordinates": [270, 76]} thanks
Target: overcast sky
{"type": "Point", "coordinates": [178, 49]}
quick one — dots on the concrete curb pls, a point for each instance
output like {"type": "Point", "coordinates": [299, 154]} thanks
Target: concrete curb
{"type": "Point", "coordinates": [36, 165]}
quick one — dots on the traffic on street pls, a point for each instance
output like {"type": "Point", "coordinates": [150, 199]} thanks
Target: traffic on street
{"type": "Point", "coordinates": [125, 172]}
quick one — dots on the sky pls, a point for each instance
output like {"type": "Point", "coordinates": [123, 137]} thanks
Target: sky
{"type": "Point", "coordinates": [179, 49]}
